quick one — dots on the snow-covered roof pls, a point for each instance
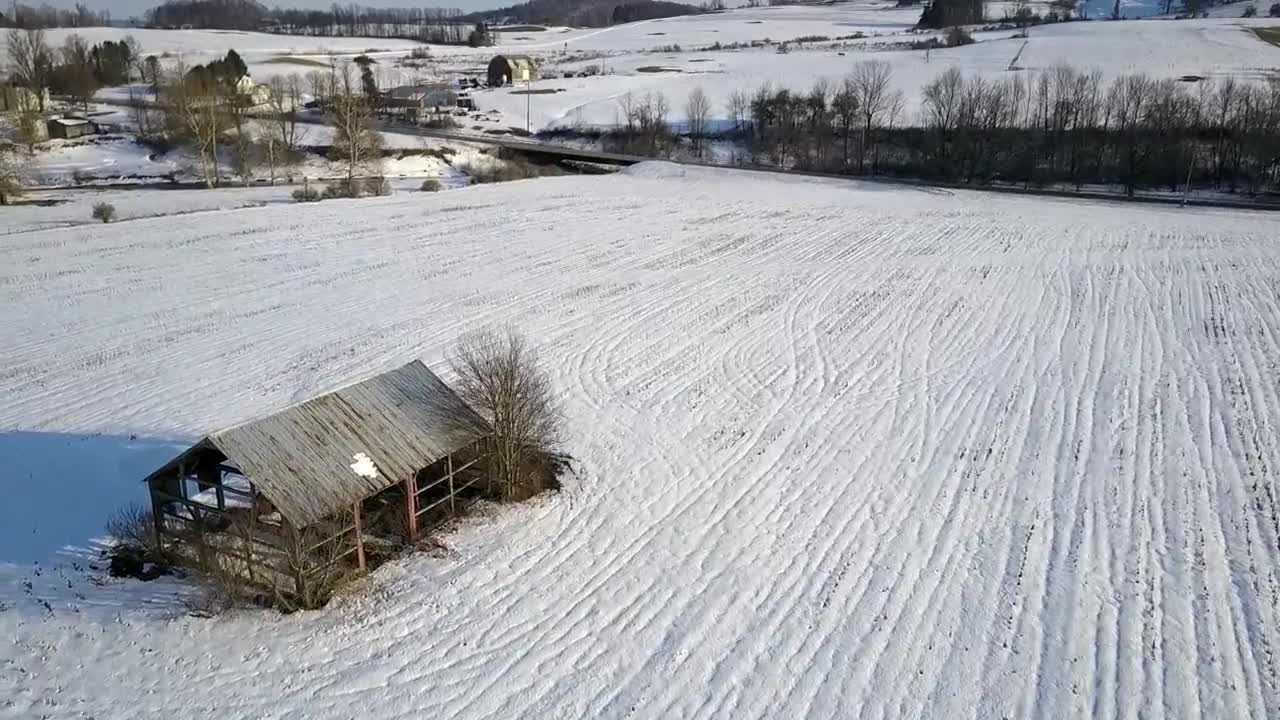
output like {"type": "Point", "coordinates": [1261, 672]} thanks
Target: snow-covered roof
{"type": "Point", "coordinates": [320, 456]}
{"type": "Point", "coordinates": [71, 122]}
{"type": "Point", "coordinates": [414, 91]}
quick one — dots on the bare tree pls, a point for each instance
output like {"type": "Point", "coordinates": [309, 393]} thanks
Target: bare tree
{"type": "Point", "coordinates": [195, 111]}
{"type": "Point", "coordinates": [76, 72]}
{"type": "Point", "coordinates": [627, 104]}
{"type": "Point", "coordinates": [870, 84]}
{"type": "Point", "coordinates": [320, 84]}
{"type": "Point", "coordinates": [697, 109]}
{"type": "Point", "coordinates": [14, 165]}
{"type": "Point", "coordinates": [143, 113]}
{"type": "Point", "coordinates": [31, 62]}
{"type": "Point", "coordinates": [739, 105]}
{"type": "Point", "coordinates": [29, 123]}
{"type": "Point", "coordinates": [355, 142]}
{"type": "Point", "coordinates": [135, 57]}
{"type": "Point", "coordinates": [498, 375]}
{"type": "Point", "coordinates": [285, 103]}
{"type": "Point", "coordinates": [245, 150]}
{"type": "Point", "coordinates": [846, 115]}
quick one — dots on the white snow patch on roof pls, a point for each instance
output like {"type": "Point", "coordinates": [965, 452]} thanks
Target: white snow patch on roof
{"type": "Point", "coordinates": [363, 466]}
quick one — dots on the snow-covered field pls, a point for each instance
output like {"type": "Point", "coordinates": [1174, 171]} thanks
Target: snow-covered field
{"type": "Point", "coordinates": [843, 450]}
{"type": "Point", "coordinates": [1212, 48]}
{"type": "Point", "coordinates": [630, 60]}
{"type": "Point", "coordinates": [119, 158]}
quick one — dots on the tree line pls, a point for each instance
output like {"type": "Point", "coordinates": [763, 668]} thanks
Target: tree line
{"type": "Point", "coordinates": [434, 25]}
{"type": "Point", "coordinates": [586, 13]}
{"type": "Point", "coordinates": [46, 16]}
{"type": "Point", "coordinates": [1060, 127]}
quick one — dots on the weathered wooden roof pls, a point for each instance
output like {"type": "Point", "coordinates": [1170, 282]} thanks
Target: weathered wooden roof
{"type": "Point", "coordinates": [516, 60]}
{"type": "Point", "coordinates": [323, 455]}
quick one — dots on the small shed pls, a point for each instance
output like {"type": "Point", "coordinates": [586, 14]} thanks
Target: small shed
{"type": "Point", "coordinates": [66, 128]}
{"type": "Point", "coordinates": [383, 452]}
{"type": "Point", "coordinates": [511, 69]}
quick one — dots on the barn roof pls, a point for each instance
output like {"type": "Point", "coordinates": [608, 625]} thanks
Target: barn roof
{"type": "Point", "coordinates": [323, 455]}
{"type": "Point", "coordinates": [419, 90]}
{"type": "Point", "coordinates": [513, 60]}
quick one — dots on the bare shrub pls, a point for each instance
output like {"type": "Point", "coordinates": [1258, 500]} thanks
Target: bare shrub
{"type": "Point", "coordinates": [318, 563]}
{"type": "Point", "coordinates": [430, 185]}
{"type": "Point", "coordinates": [441, 122]}
{"type": "Point", "coordinates": [132, 525]}
{"type": "Point", "coordinates": [507, 170]}
{"type": "Point", "coordinates": [958, 36]}
{"type": "Point", "coordinates": [250, 562]}
{"type": "Point", "coordinates": [341, 189]}
{"type": "Point", "coordinates": [134, 553]}
{"type": "Point", "coordinates": [14, 166]}
{"type": "Point", "coordinates": [104, 211]}
{"type": "Point", "coordinates": [499, 375]}
{"type": "Point", "coordinates": [306, 194]}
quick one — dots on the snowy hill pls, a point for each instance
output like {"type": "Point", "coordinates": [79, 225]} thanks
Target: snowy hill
{"type": "Point", "coordinates": [843, 450]}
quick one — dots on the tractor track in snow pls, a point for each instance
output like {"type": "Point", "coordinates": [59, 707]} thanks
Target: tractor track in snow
{"type": "Point", "coordinates": [839, 452]}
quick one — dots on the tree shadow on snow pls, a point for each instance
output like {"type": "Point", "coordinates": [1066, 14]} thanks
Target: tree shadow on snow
{"type": "Point", "coordinates": [56, 493]}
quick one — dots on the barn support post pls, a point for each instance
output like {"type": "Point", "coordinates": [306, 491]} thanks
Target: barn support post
{"type": "Point", "coordinates": [449, 461]}
{"type": "Point", "coordinates": [297, 555]}
{"type": "Point", "coordinates": [157, 517]}
{"type": "Point", "coordinates": [359, 539]}
{"type": "Point", "coordinates": [209, 474]}
{"type": "Point", "coordinates": [411, 504]}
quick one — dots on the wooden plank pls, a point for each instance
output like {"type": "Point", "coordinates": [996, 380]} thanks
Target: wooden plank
{"type": "Point", "coordinates": [359, 539]}
{"type": "Point", "coordinates": [410, 501]}
{"type": "Point", "coordinates": [445, 478]}
{"type": "Point", "coordinates": [332, 538]}
{"type": "Point", "coordinates": [432, 506]}
{"type": "Point", "coordinates": [258, 538]}
{"type": "Point", "coordinates": [453, 509]}
{"type": "Point", "coordinates": [192, 504]}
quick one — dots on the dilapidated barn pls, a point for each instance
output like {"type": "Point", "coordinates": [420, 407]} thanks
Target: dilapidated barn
{"type": "Point", "coordinates": [512, 69]}
{"type": "Point", "coordinates": [287, 500]}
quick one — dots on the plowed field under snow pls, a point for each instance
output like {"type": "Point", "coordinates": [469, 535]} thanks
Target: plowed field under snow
{"type": "Point", "coordinates": [843, 450]}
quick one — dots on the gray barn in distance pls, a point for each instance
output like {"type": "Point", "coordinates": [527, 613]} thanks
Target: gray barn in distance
{"type": "Point", "coordinates": [512, 69]}
{"type": "Point", "coordinates": [366, 461]}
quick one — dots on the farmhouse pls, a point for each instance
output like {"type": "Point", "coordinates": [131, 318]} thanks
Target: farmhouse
{"type": "Point", "coordinates": [511, 69]}
{"type": "Point", "coordinates": [250, 93]}
{"type": "Point", "coordinates": [418, 101]}
{"type": "Point", "coordinates": [287, 498]}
